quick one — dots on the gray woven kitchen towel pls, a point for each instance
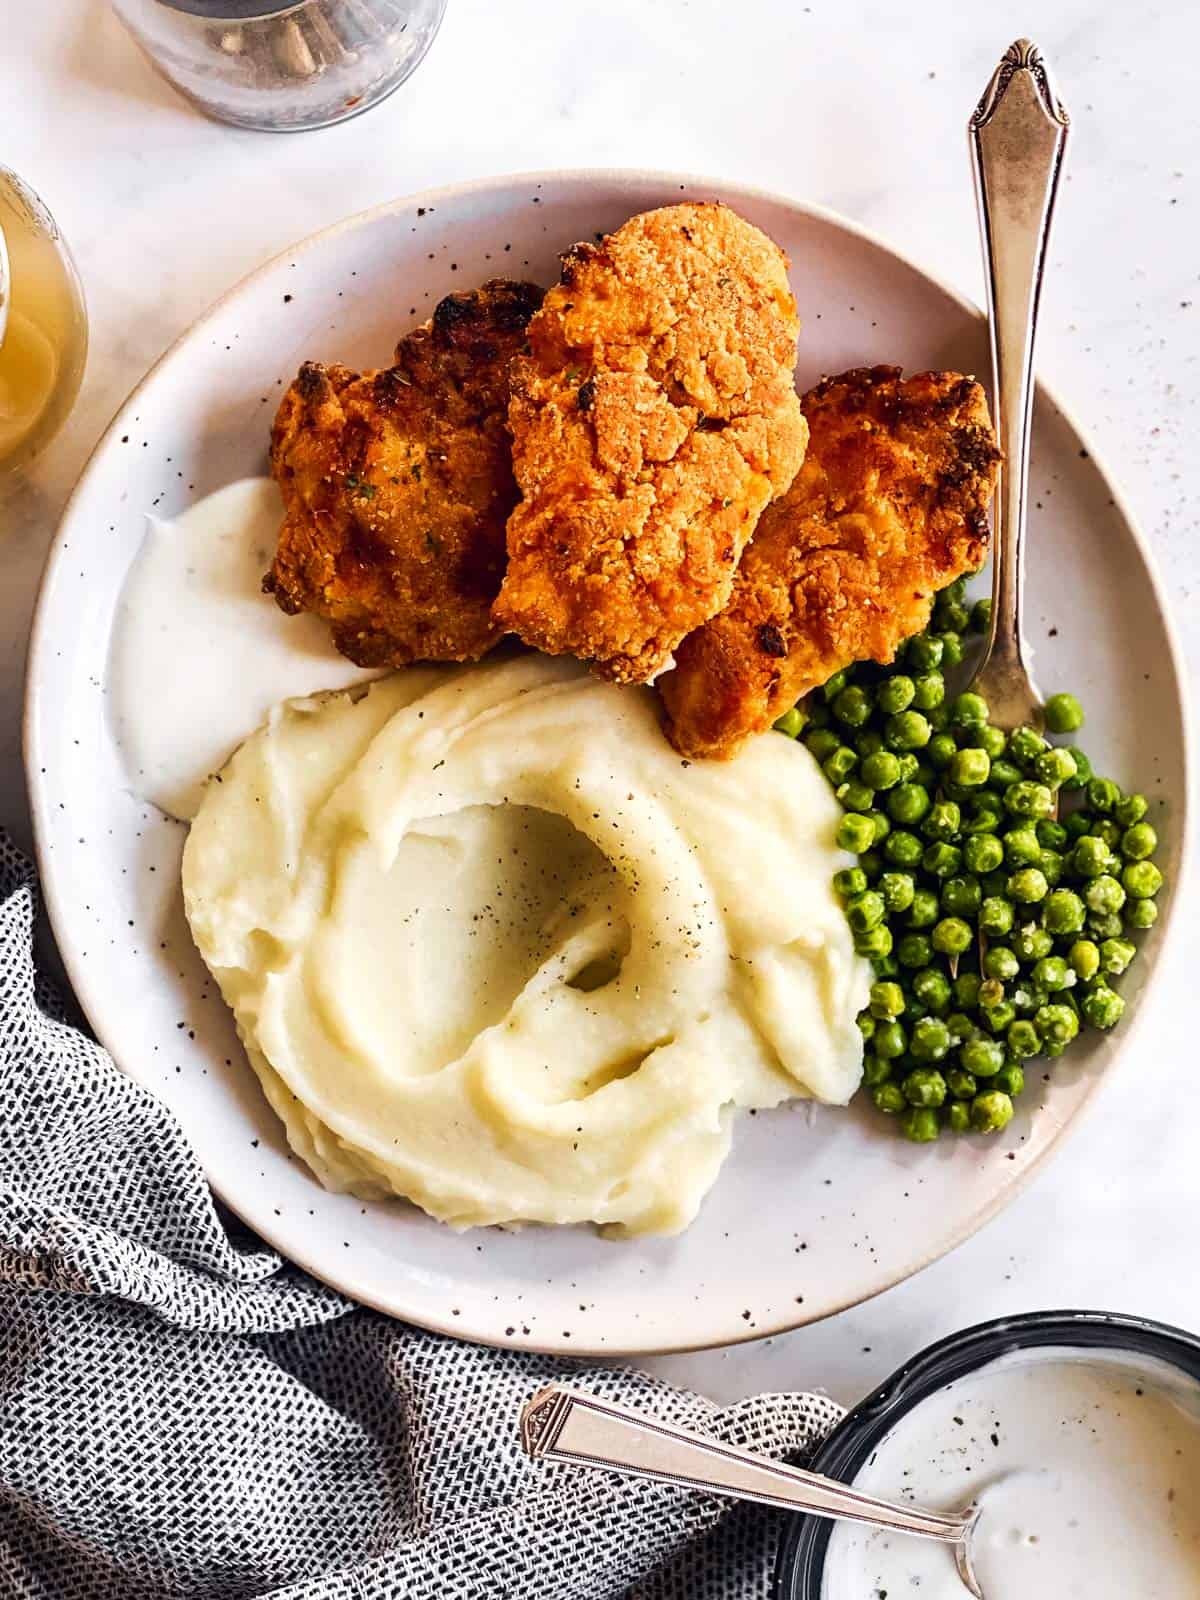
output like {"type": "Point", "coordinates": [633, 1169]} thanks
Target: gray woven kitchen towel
{"type": "Point", "coordinates": [184, 1414]}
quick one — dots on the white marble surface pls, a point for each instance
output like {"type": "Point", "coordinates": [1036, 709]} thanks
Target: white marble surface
{"type": "Point", "coordinates": [860, 105]}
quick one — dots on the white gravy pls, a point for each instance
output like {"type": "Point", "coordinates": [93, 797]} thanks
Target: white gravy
{"type": "Point", "coordinates": [1087, 1468]}
{"type": "Point", "coordinates": [199, 654]}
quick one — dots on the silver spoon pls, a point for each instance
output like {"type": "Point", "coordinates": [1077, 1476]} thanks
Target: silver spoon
{"type": "Point", "coordinates": [559, 1424]}
{"type": "Point", "coordinates": [1018, 136]}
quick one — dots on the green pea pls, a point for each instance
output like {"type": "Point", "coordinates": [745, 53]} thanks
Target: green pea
{"type": "Point", "coordinates": [924, 652]}
{"type": "Point", "coordinates": [875, 1070]}
{"type": "Point", "coordinates": [1025, 745]}
{"type": "Point", "coordinates": [925, 909]}
{"type": "Point", "coordinates": [1063, 713]}
{"type": "Point", "coordinates": [895, 694]}
{"type": "Point", "coordinates": [969, 710]}
{"type": "Point", "coordinates": [942, 860]}
{"type": "Point", "coordinates": [834, 686]}
{"type": "Point", "coordinates": [1027, 996]}
{"type": "Point", "coordinates": [981, 616]}
{"type": "Point", "coordinates": [822, 742]}
{"type": "Point", "coordinates": [1105, 924]}
{"type": "Point", "coordinates": [1010, 1080]}
{"type": "Point", "coordinates": [869, 860]}
{"type": "Point", "coordinates": [1021, 846]}
{"type": "Point", "coordinates": [952, 651]}
{"type": "Point", "coordinates": [995, 884]}
{"type": "Point", "coordinates": [908, 802]}
{"type": "Point", "coordinates": [1103, 796]}
{"type": "Point", "coordinates": [817, 712]}
{"type": "Point", "coordinates": [957, 1116]}
{"type": "Point", "coordinates": [1022, 1040]}
{"type": "Point", "coordinates": [1053, 866]}
{"type": "Point", "coordinates": [951, 936]}
{"type": "Point", "coordinates": [1054, 767]}
{"type": "Point", "coordinates": [1083, 770]}
{"type": "Point", "coordinates": [838, 767]}
{"type": "Point", "coordinates": [866, 1025]}
{"type": "Point", "coordinates": [995, 917]}
{"type": "Point", "coordinates": [981, 1056]}
{"type": "Point", "coordinates": [1077, 823]}
{"type": "Point", "coordinates": [890, 1041]}
{"type": "Point", "coordinates": [943, 820]}
{"type": "Point", "coordinates": [961, 1027]}
{"type": "Point", "coordinates": [852, 706]}
{"type": "Point", "coordinates": [1130, 809]}
{"type": "Point", "coordinates": [902, 849]}
{"type": "Point", "coordinates": [986, 817]}
{"type": "Point", "coordinates": [1104, 894]}
{"type": "Point", "coordinates": [790, 723]}
{"type": "Point", "coordinates": [932, 989]}
{"type": "Point", "coordinates": [881, 823]}
{"type": "Point", "coordinates": [881, 770]}
{"type": "Point", "coordinates": [874, 942]}
{"type": "Point", "coordinates": [939, 716]}
{"type": "Point", "coordinates": [849, 881]}
{"type": "Point", "coordinates": [962, 1084]}
{"type": "Point", "coordinates": [914, 950]}
{"type": "Point", "coordinates": [1001, 962]}
{"type": "Point", "coordinates": [855, 796]}
{"type": "Point", "coordinates": [1055, 1024]}
{"type": "Point", "coordinates": [1026, 799]}
{"type": "Point", "coordinates": [865, 911]}
{"type": "Point", "coordinates": [992, 741]}
{"type": "Point", "coordinates": [1141, 880]}
{"type": "Point", "coordinates": [1051, 835]}
{"type": "Point", "coordinates": [886, 1001]}
{"type": "Point", "coordinates": [909, 730]}
{"type": "Point", "coordinates": [1052, 973]}
{"type": "Point", "coordinates": [909, 767]}
{"type": "Point", "coordinates": [867, 741]}
{"type": "Point", "coordinates": [966, 990]}
{"type": "Point", "coordinates": [1115, 956]}
{"type": "Point", "coordinates": [962, 897]}
{"type": "Point", "coordinates": [991, 1111]}
{"type": "Point", "coordinates": [941, 751]}
{"type": "Point", "coordinates": [1000, 1017]}
{"type": "Point", "coordinates": [1090, 857]}
{"type": "Point", "coordinates": [897, 889]}
{"type": "Point", "coordinates": [855, 833]}
{"type": "Point", "coordinates": [1084, 957]}
{"type": "Point", "coordinates": [1102, 1007]}
{"type": "Point", "coordinates": [952, 615]}
{"type": "Point", "coordinates": [920, 1124]}
{"type": "Point", "coordinates": [1004, 774]}
{"type": "Point", "coordinates": [1139, 841]}
{"type": "Point", "coordinates": [889, 1098]}
{"type": "Point", "coordinates": [970, 768]}
{"type": "Point", "coordinates": [1105, 828]}
{"type": "Point", "coordinates": [929, 1040]}
{"type": "Point", "coordinates": [1031, 942]}
{"type": "Point", "coordinates": [929, 691]}
{"type": "Point", "coordinates": [1062, 912]}
{"type": "Point", "coordinates": [1028, 886]}
{"type": "Point", "coordinates": [955, 590]}
{"type": "Point", "coordinates": [1141, 913]}
{"type": "Point", "coordinates": [982, 853]}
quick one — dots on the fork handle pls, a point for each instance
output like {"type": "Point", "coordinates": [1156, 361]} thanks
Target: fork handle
{"type": "Point", "coordinates": [560, 1424]}
{"type": "Point", "coordinates": [1018, 137]}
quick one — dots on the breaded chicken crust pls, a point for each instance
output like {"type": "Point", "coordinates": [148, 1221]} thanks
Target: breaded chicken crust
{"type": "Point", "coordinates": [890, 506]}
{"type": "Point", "coordinates": [397, 486]}
{"type": "Point", "coordinates": [653, 419]}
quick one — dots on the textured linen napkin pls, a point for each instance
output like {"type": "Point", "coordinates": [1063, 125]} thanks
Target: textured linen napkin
{"type": "Point", "coordinates": [184, 1414]}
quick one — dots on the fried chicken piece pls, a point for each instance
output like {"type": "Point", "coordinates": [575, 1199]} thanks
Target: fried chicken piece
{"type": "Point", "coordinates": [890, 506]}
{"type": "Point", "coordinates": [652, 420]}
{"type": "Point", "coordinates": [397, 486]}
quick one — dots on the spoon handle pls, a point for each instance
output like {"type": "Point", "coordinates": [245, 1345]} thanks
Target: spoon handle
{"type": "Point", "coordinates": [559, 1424]}
{"type": "Point", "coordinates": [1018, 136]}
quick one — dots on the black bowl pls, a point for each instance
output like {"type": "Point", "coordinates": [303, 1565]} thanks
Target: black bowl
{"type": "Point", "coordinates": [801, 1561]}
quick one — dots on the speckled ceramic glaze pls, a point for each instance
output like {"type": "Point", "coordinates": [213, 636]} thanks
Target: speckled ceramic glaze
{"type": "Point", "coordinates": [815, 1209]}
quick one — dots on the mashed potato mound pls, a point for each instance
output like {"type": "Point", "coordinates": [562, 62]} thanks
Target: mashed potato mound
{"type": "Point", "coordinates": [493, 946]}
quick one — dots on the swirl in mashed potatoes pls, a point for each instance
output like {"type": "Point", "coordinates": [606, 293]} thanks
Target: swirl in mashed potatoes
{"type": "Point", "coordinates": [491, 945]}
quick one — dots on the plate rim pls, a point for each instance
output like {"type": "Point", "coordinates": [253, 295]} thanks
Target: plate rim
{"type": "Point", "coordinates": [55, 899]}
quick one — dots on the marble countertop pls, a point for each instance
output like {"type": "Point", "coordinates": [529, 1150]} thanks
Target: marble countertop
{"type": "Point", "coordinates": [858, 105]}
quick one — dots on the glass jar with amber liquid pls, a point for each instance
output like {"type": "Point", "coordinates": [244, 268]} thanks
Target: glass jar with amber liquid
{"type": "Point", "coordinates": [43, 325]}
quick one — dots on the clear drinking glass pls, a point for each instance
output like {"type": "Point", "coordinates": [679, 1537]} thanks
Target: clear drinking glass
{"type": "Point", "coordinates": [279, 65]}
{"type": "Point", "coordinates": [43, 324]}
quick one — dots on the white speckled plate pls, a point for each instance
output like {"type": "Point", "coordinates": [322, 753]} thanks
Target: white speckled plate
{"type": "Point", "coordinates": [815, 1209]}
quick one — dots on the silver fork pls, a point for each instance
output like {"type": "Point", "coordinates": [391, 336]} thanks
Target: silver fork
{"type": "Point", "coordinates": [1018, 135]}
